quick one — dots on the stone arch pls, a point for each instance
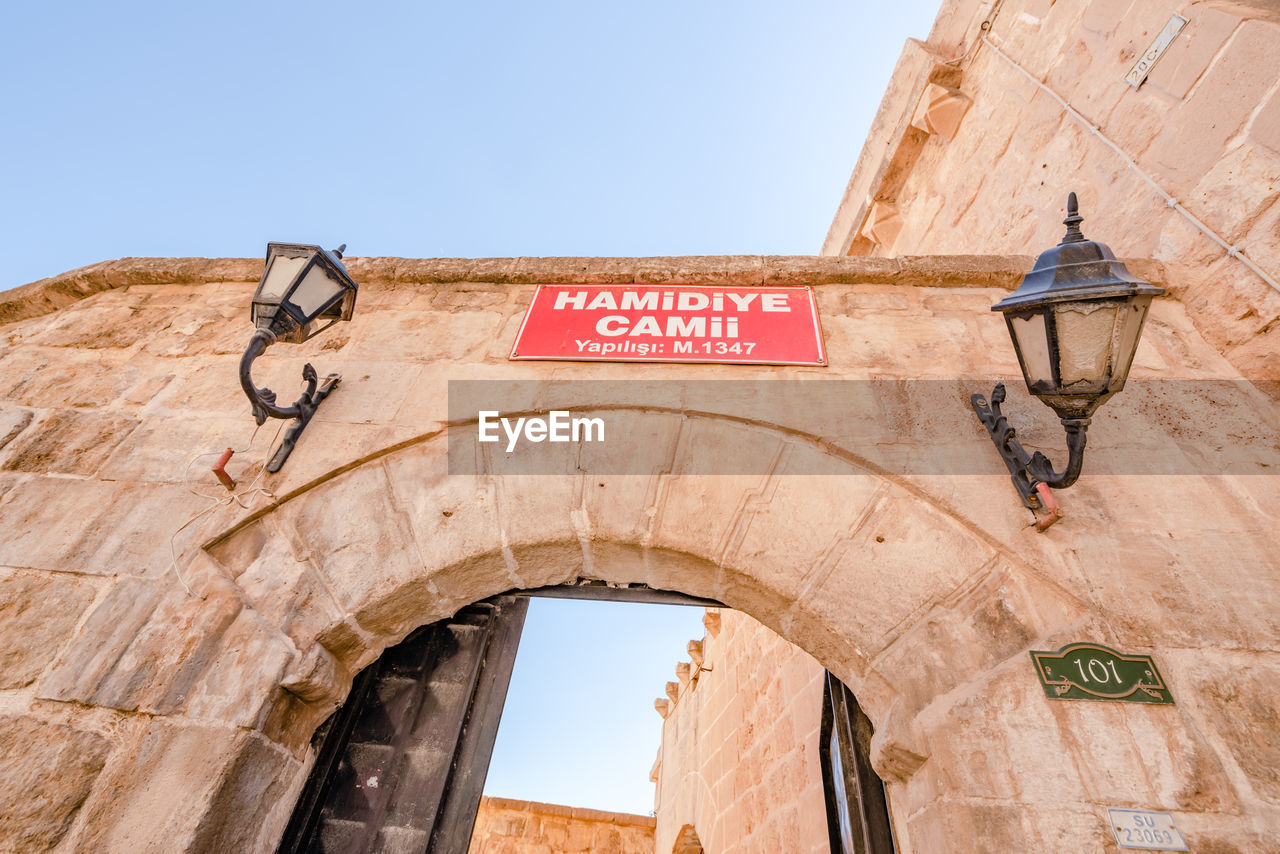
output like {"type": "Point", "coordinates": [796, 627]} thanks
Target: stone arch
{"type": "Point", "coordinates": [687, 841]}
{"type": "Point", "coordinates": [349, 565]}
{"type": "Point", "coordinates": [353, 563]}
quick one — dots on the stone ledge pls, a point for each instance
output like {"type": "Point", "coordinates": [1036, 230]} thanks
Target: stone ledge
{"type": "Point", "coordinates": [48, 295]}
{"type": "Point", "coordinates": [994, 271]}
{"type": "Point", "coordinates": [581, 813]}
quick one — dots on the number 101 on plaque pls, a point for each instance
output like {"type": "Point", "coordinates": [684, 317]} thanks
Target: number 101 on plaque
{"type": "Point", "coordinates": [1087, 671]}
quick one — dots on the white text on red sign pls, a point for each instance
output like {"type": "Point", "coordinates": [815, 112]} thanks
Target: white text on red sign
{"type": "Point", "coordinates": [682, 323]}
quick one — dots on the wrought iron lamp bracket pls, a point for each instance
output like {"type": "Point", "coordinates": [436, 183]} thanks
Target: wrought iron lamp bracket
{"type": "Point", "coordinates": [263, 400]}
{"type": "Point", "coordinates": [1027, 470]}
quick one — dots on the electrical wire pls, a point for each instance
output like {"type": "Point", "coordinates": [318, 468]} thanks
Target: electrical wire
{"type": "Point", "coordinates": [238, 498]}
{"type": "Point", "coordinates": [1233, 251]}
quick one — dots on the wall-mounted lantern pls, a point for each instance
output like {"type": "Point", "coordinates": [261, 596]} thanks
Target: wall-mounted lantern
{"type": "Point", "coordinates": [1075, 321]}
{"type": "Point", "coordinates": [304, 290]}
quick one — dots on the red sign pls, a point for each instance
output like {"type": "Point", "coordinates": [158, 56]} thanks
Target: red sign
{"type": "Point", "coordinates": [672, 323]}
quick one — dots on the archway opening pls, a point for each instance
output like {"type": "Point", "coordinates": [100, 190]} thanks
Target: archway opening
{"type": "Point", "coordinates": [440, 684]}
{"type": "Point", "coordinates": [832, 564]}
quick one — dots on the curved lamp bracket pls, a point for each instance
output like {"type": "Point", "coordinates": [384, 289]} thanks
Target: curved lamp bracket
{"type": "Point", "coordinates": [263, 400]}
{"type": "Point", "coordinates": [1028, 470]}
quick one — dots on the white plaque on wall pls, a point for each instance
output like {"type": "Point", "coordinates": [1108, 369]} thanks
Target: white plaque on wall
{"type": "Point", "coordinates": [1145, 830]}
{"type": "Point", "coordinates": [1152, 54]}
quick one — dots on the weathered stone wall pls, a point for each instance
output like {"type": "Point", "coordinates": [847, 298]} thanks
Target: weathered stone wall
{"type": "Point", "coordinates": [739, 758]}
{"type": "Point", "coordinates": [507, 826]}
{"type": "Point", "coordinates": [170, 650]}
{"type": "Point", "coordinates": [974, 152]}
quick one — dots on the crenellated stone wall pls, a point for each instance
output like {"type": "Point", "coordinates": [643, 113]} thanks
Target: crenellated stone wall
{"type": "Point", "coordinates": [739, 762]}
{"type": "Point", "coordinates": [507, 826]}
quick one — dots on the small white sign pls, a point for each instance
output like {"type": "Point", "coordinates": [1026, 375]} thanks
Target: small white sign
{"type": "Point", "coordinates": [1145, 830]}
{"type": "Point", "coordinates": [1152, 54]}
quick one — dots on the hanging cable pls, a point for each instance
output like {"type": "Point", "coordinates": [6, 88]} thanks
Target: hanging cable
{"type": "Point", "coordinates": [239, 498]}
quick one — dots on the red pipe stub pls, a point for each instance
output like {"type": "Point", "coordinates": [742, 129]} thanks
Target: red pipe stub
{"type": "Point", "coordinates": [1051, 510]}
{"type": "Point", "coordinates": [220, 469]}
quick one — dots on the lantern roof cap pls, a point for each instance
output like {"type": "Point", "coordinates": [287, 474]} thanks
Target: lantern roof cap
{"type": "Point", "coordinates": [333, 256]}
{"type": "Point", "coordinates": [1075, 269]}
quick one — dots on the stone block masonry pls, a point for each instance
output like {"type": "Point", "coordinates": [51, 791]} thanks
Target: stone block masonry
{"type": "Point", "coordinates": [1202, 131]}
{"type": "Point", "coordinates": [507, 826]}
{"type": "Point", "coordinates": [168, 652]}
{"type": "Point", "coordinates": [739, 762]}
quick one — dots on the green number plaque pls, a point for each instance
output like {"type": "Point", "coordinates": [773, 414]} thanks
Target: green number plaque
{"type": "Point", "coordinates": [1087, 671]}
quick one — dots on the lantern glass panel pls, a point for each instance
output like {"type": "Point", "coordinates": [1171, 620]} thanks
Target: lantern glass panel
{"type": "Point", "coordinates": [279, 276]}
{"type": "Point", "coordinates": [1085, 336]}
{"type": "Point", "coordinates": [1032, 341]}
{"type": "Point", "coordinates": [316, 290]}
{"type": "Point", "coordinates": [1130, 330]}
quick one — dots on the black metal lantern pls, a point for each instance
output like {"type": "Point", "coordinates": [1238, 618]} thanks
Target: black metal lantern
{"type": "Point", "coordinates": [302, 287]}
{"type": "Point", "coordinates": [304, 290]}
{"type": "Point", "coordinates": [1075, 321]}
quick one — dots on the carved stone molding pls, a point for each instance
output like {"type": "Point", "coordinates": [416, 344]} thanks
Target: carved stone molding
{"type": "Point", "coordinates": [899, 747]}
{"type": "Point", "coordinates": [883, 224]}
{"type": "Point", "coordinates": [940, 110]}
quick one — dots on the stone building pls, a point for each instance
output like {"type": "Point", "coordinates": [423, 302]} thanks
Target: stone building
{"type": "Point", "coordinates": [1010, 102]}
{"type": "Point", "coordinates": [506, 826]}
{"type": "Point", "coordinates": [1003, 97]}
{"type": "Point", "coordinates": [739, 768]}
{"type": "Point", "coordinates": [173, 650]}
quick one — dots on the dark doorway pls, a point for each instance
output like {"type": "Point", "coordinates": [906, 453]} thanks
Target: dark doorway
{"type": "Point", "coordinates": [401, 766]}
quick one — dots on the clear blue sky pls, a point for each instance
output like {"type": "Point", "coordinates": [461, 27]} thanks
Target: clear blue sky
{"type": "Point", "coordinates": [426, 129]}
{"type": "Point", "coordinates": [579, 727]}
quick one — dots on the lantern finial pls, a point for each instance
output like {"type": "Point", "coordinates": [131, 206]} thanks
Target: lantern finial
{"type": "Point", "coordinates": [1072, 222]}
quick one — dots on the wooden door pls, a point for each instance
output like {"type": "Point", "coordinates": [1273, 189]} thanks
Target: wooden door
{"type": "Point", "coordinates": [401, 766]}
